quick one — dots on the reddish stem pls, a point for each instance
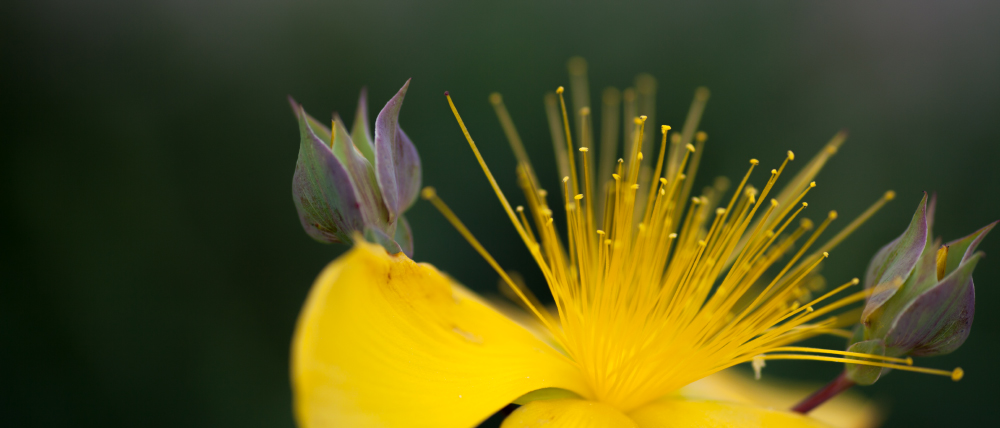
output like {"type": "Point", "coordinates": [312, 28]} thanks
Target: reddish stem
{"type": "Point", "coordinates": [836, 386]}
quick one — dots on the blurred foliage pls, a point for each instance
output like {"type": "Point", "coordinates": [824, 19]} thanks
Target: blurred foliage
{"type": "Point", "coordinates": [153, 261]}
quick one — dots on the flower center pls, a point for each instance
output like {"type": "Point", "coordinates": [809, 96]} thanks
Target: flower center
{"type": "Point", "coordinates": [654, 288]}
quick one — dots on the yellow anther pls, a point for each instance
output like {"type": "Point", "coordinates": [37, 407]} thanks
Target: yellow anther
{"type": "Point", "coordinates": [720, 211]}
{"type": "Point", "coordinates": [701, 136]}
{"type": "Point", "coordinates": [600, 232]}
{"type": "Point", "coordinates": [672, 236]}
{"type": "Point", "coordinates": [833, 215]}
{"type": "Point", "coordinates": [855, 281]}
{"type": "Point", "coordinates": [890, 195]}
{"type": "Point", "coordinates": [639, 156]}
{"type": "Point", "coordinates": [807, 224]}
{"type": "Point", "coordinates": [578, 197]}
{"type": "Point", "coordinates": [643, 118]}
{"type": "Point", "coordinates": [812, 184]}
{"type": "Point", "coordinates": [826, 254]}
{"type": "Point", "coordinates": [774, 202]}
{"type": "Point", "coordinates": [637, 121]}
{"type": "Point", "coordinates": [584, 149]}
{"type": "Point", "coordinates": [585, 111]}
{"type": "Point", "coordinates": [565, 179]}
{"type": "Point", "coordinates": [428, 192]}
{"type": "Point", "coordinates": [664, 128]}
{"type": "Point", "coordinates": [909, 361]}
{"type": "Point", "coordinates": [791, 156]}
{"type": "Point", "coordinates": [774, 172]}
{"type": "Point", "coordinates": [496, 98]}
{"type": "Point", "coordinates": [635, 186]}
{"type": "Point", "coordinates": [663, 180]}
{"type": "Point", "coordinates": [542, 193]}
{"type": "Point", "coordinates": [957, 374]}
{"type": "Point", "coordinates": [805, 204]}
{"type": "Point", "coordinates": [520, 208]}
{"type": "Point", "coordinates": [615, 176]}
{"type": "Point", "coordinates": [754, 162]}
{"type": "Point", "coordinates": [690, 148]}
{"type": "Point", "coordinates": [560, 90]}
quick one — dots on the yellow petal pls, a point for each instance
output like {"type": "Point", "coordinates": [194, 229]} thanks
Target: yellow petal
{"type": "Point", "coordinates": [386, 342]}
{"type": "Point", "coordinates": [847, 410]}
{"type": "Point", "coordinates": [567, 413]}
{"type": "Point", "coordinates": [682, 413]}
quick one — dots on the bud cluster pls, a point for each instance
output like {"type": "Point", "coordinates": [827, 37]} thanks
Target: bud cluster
{"type": "Point", "coordinates": [350, 184]}
{"type": "Point", "coordinates": [922, 299]}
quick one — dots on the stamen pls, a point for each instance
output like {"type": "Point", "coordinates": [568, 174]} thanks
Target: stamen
{"type": "Point", "coordinates": [955, 374]}
{"type": "Point", "coordinates": [430, 194]}
{"type": "Point", "coordinates": [888, 196]}
{"type": "Point", "coordinates": [511, 132]}
{"type": "Point", "coordinates": [908, 361]}
{"type": "Point", "coordinates": [569, 140]}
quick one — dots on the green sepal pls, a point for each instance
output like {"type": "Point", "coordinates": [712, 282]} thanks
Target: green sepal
{"type": "Point", "coordinates": [895, 260]}
{"type": "Point", "coordinates": [546, 394]}
{"type": "Point", "coordinates": [865, 374]}
{"type": "Point", "coordinates": [360, 132]}
{"type": "Point", "coordinates": [404, 236]}
{"type": "Point", "coordinates": [378, 237]}
{"type": "Point", "coordinates": [321, 187]}
{"type": "Point", "coordinates": [363, 178]}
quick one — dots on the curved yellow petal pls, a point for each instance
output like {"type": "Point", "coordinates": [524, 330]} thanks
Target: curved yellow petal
{"type": "Point", "coordinates": [682, 413]}
{"type": "Point", "coordinates": [567, 413]}
{"type": "Point", "coordinates": [386, 342]}
{"type": "Point", "coordinates": [847, 410]}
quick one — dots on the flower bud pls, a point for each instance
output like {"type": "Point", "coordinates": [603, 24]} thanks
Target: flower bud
{"type": "Point", "coordinates": [349, 185]}
{"type": "Point", "coordinates": [922, 298]}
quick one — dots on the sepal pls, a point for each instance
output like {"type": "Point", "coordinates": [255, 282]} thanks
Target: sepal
{"type": "Point", "coordinates": [321, 188]}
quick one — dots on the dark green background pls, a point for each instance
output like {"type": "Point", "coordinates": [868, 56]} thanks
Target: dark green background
{"type": "Point", "coordinates": [153, 263]}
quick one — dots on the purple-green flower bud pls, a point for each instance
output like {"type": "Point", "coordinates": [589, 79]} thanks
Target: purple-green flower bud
{"type": "Point", "coordinates": [346, 185]}
{"type": "Point", "coordinates": [922, 298]}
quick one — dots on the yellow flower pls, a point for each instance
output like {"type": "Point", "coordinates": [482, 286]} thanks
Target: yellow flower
{"type": "Point", "coordinates": [655, 292]}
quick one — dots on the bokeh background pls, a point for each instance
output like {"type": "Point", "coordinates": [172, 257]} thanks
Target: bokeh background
{"type": "Point", "coordinates": [153, 265]}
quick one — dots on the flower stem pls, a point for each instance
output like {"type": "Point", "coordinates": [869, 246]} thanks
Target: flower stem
{"type": "Point", "coordinates": [836, 386]}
